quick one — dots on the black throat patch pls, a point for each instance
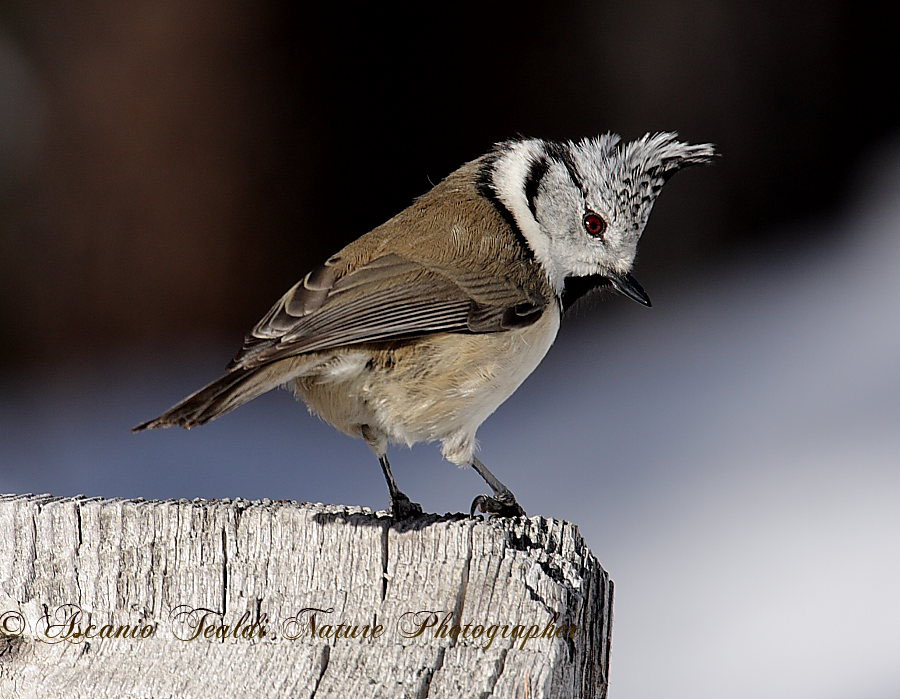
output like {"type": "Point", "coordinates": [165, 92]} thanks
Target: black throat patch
{"type": "Point", "coordinates": [576, 287]}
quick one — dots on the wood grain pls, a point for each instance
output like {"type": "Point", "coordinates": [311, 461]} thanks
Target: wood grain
{"type": "Point", "coordinates": [130, 563]}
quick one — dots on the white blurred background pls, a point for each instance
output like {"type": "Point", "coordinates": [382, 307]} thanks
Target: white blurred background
{"type": "Point", "coordinates": [731, 455]}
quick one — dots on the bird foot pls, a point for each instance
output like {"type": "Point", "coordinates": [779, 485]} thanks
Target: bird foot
{"type": "Point", "coordinates": [403, 508]}
{"type": "Point", "coordinates": [500, 505]}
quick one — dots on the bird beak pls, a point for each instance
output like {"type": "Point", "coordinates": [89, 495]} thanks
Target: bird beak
{"type": "Point", "coordinates": [628, 286]}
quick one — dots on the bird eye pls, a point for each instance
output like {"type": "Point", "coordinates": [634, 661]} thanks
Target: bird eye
{"type": "Point", "coordinates": [594, 225]}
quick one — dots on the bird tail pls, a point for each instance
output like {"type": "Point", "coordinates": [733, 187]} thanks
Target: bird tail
{"type": "Point", "coordinates": [238, 386]}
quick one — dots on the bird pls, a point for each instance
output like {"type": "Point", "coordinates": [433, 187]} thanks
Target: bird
{"type": "Point", "coordinates": [420, 329]}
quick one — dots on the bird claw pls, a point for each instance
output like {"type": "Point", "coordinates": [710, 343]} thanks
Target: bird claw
{"type": "Point", "coordinates": [501, 505]}
{"type": "Point", "coordinates": [403, 508]}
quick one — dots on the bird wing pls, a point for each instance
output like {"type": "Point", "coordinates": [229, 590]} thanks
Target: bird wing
{"type": "Point", "coordinates": [391, 297]}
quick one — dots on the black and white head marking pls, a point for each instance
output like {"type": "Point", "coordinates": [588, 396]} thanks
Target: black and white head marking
{"type": "Point", "coordinates": [553, 193]}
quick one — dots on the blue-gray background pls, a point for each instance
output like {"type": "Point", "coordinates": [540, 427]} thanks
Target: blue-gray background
{"type": "Point", "coordinates": [168, 169]}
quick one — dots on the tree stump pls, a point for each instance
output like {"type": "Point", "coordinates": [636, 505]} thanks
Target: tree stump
{"type": "Point", "coordinates": [134, 598]}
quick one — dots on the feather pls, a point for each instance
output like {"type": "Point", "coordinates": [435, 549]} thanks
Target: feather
{"type": "Point", "coordinates": [390, 297]}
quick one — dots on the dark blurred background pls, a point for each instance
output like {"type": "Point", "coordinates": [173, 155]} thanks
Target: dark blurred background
{"type": "Point", "coordinates": [168, 169]}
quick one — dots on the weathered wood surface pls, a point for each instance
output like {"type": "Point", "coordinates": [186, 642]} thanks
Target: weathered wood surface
{"type": "Point", "coordinates": [130, 563]}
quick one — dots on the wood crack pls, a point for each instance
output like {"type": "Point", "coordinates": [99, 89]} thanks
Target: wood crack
{"type": "Point", "coordinates": [325, 659]}
{"type": "Point", "coordinates": [384, 561]}
{"type": "Point", "coordinates": [77, 549]}
{"type": "Point", "coordinates": [224, 571]}
{"type": "Point", "coordinates": [425, 690]}
{"type": "Point", "coordinates": [463, 584]}
{"type": "Point", "coordinates": [499, 667]}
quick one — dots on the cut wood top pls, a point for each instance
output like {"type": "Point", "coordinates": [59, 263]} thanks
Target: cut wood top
{"type": "Point", "coordinates": [205, 598]}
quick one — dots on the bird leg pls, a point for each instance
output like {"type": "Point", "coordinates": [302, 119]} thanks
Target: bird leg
{"type": "Point", "coordinates": [502, 504]}
{"type": "Point", "coordinates": [401, 506]}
